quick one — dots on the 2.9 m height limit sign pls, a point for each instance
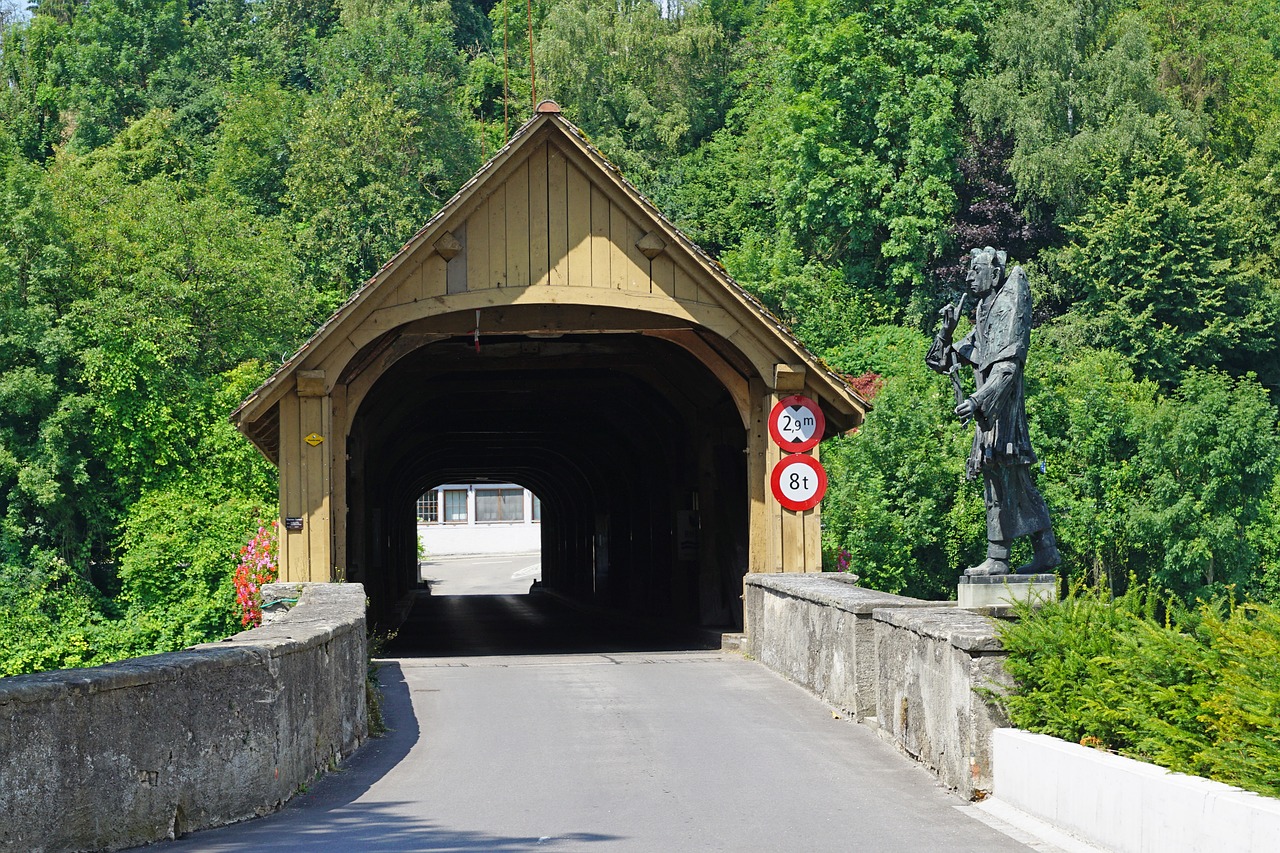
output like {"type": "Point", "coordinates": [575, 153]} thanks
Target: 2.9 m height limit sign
{"type": "Point", "coordinates": [798, 480]}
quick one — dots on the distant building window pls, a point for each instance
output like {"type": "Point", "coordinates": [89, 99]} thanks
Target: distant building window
{"type": "Point", "coordinates": [537, 508]}
{"type": "Point", "coordinates": [455, 505]}
{"type": "Point", "coordinates": [429, 507]}
{"type": "Point", "coordinates": [499, 504]}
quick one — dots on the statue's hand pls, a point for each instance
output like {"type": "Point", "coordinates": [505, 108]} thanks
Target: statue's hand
{"type": "Point", "coordinates": [950, 316]}
{"type": "Point", "coordinates": [966, 410]}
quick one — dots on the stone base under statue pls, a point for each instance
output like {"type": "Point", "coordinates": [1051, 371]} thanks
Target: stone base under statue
{"type": "Point", "coordinates": [1003, 590]}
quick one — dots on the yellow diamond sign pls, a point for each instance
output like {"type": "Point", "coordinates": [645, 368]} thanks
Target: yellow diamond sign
{"type": "Point", "coordinates": [314, 439]}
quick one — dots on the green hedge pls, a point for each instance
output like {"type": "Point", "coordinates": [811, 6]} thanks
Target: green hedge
{"type": "Point", "coordinates": [1197, 691]}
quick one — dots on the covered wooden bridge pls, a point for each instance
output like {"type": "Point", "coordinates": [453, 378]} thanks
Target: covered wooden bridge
{"type": "Point", "coordinates": [548, 327]}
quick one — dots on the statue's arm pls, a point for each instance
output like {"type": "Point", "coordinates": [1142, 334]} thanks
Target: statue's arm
{"type": "Point", "coordinates": [943, 354]}
{"type": "Point", "coordinates": [940, 356]}
{"type": "Point", "coordinates": [1001, 381]}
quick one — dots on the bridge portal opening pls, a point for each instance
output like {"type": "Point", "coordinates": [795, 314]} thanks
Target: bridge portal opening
{"type": "Point", "coordinates": [635, 450]}
{"type": "Point", "coordinates": [479, 537]}
{"type": "Point", "coordinates": [549, 327]}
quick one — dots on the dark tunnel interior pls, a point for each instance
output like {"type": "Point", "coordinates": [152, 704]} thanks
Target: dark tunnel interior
{"type": "Point", "coordinates": [635, 448]}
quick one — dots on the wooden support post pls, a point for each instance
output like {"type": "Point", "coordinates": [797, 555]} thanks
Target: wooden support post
{"type": "Point", "coordinates": [293, 552]}
{"type": "Point", "coordinates": [812, 520]}
{"type": "Point", "coordinates": [758, 468]}
{"type": "Point", "coordinates": [338, 426]}
{"type": "Point", "coordinates": [306, 420]}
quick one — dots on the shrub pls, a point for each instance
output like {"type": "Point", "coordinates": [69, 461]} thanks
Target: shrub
{"type": "Point", "coordinates": [1196, 691]}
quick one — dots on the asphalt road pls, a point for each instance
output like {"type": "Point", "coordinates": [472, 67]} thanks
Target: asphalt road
{"type": "Point", "coordinates": [602, 736]}
{"type": "Point", "coordinates": [499, 574]}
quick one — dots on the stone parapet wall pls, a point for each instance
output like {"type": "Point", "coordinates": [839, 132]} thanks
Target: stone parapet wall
{"type": "Point", "coordinates": [935, 665]}
{"type": "Point", "coordinates": [817, 630]}
{"type": "Point", "coordinates": [147, 749]}
{"type": "Point", "coordinates": [915, 669]}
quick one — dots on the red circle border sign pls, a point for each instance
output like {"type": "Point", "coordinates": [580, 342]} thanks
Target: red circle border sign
{"type": "Point", "coordinates": [796, 446]}
{"type": "Point", "coordinates": [775, 482]}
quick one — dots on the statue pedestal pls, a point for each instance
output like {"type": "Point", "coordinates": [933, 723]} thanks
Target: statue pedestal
{"type": "Point", "coordinates": [1003, 590]}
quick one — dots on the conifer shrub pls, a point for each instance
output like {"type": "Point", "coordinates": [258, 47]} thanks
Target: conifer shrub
{"type": "Point", "coordinates": [1193, 690]}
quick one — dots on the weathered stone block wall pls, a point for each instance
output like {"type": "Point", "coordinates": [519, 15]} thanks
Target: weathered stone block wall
{"type": "Point", "coordinates": [915, 669]}
{"type": "Point", "coordinates": [934, 664]}
{"type": "Point", "coordinates": [817, 630]}
{"type": "Point", "coordinates": [150, 748]}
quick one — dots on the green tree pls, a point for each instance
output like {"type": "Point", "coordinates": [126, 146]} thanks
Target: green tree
{"type": "Point", "coordinates": [1167, 263]}
{"type": "Point", "coordinates": [842, 143]}
{"type": "Point", "coordinates": [251, 144]}
{"type": "Point", "coordinates": [1206, 462]}
{"type": "Point", "coordinates": [33, 96]}
{"type": "Point", "coordinates": [379, 149]}
{"type": "Point", "coordinates": [1064, 72]}
{"type": "Point", "coordinates": [646, 88]}
{"type": "Point", "coordinates": [114, 51]}
{"type": "Point", "coordinates": [180, 549]}
{"type": "Point", "coordinates": [1221, 61]}
{"type": "Point", "coordinates": [897, 499]}
{"type": "Point", "coordinates": [45, 455]}
{"type": "Point", "coordinates": [178, 288]}
{"type": "Point", "coordinates": [1087, 412]}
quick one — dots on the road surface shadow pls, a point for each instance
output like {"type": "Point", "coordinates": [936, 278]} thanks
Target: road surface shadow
{"type": "Point", "coordinates": [374, 827]}
{"type": "Point", "coordinates": [327, 816]}
{"type": "Point", "coordinates": [535, 624]}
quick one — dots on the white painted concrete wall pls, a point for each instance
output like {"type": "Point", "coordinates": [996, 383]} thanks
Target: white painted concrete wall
{"type": "Point", "coordinates": [1127, 805]}
{"type": "Point", "coordinates": [493, 538]}
{"type": "Point", "coordinates": [445, 538]}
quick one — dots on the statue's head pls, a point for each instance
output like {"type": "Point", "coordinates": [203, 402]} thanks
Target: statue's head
{"type": "Point", "coordinates": [986, 270]}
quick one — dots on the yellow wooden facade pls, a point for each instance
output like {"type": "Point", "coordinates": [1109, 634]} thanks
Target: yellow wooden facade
{"type": "Point", "coordinates": [547, 239]}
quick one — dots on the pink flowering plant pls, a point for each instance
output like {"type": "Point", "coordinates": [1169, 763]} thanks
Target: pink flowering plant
{"type": "Point", "coordinates": [259, 564]}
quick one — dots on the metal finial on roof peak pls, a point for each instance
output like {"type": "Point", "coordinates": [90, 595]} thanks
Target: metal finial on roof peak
{"type": "Point", "coordinates": [547, 106]}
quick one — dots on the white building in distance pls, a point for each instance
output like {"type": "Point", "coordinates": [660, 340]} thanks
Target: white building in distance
{"type": "Point", "coordinates": [479, 518]}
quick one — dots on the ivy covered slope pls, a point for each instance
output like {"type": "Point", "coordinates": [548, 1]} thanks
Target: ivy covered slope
{"type": "Point", "coordinates": [187, 189]}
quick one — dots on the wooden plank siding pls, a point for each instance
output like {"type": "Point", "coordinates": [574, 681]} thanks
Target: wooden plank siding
{"type": "Point", "coordinates": [558, 216]}
{"type": "Point", "coordinates": [497, 210]}
{"type": "Point", "coordinates": [663, 276]}
{"type": "Point", "coordinates": [456, 279]}
{"type": "Point", "coordinates": [434, 277]}
{"type": "Point", "coordinates": [578, 203]}
{"type": "Point", "coordinates": [478, 249]}
{"type": "Point", "coordinates": [601, 247]}
{"type": "Point", "coordinates": [516, 208]}
{"type": "Point", "coordinates": [546, 223]}
{"type": "Point", "coordinates": [539, 217]}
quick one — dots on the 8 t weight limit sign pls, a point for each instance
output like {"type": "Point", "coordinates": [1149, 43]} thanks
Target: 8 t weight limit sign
{"type": "Point", "coordinates": [799, 482]}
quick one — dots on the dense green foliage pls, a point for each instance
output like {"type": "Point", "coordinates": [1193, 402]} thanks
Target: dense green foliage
{"type": "Point", "coordinates": [187, 188]}
{"type": "Point", "coordinates": [1210, 676]}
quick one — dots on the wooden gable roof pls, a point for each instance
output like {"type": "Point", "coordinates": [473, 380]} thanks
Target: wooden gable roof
{"type": "Point", "coordinates": [505, 238]}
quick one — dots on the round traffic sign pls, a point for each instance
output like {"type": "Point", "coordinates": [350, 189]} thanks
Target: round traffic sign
{"type": "Point", "coordinates": [796, 423]}
{"type": "Point", "coordinates": [798, 482]}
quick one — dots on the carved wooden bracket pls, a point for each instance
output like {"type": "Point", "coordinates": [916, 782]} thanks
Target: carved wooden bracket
{"type": "Point", "coordinates": [651, 245]}
{"type": "Point", "coordinates": [448, 246]}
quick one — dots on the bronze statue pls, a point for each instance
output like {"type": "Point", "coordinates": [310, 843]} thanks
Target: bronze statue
{"type": "Point", "coordinates": [996, 349]}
